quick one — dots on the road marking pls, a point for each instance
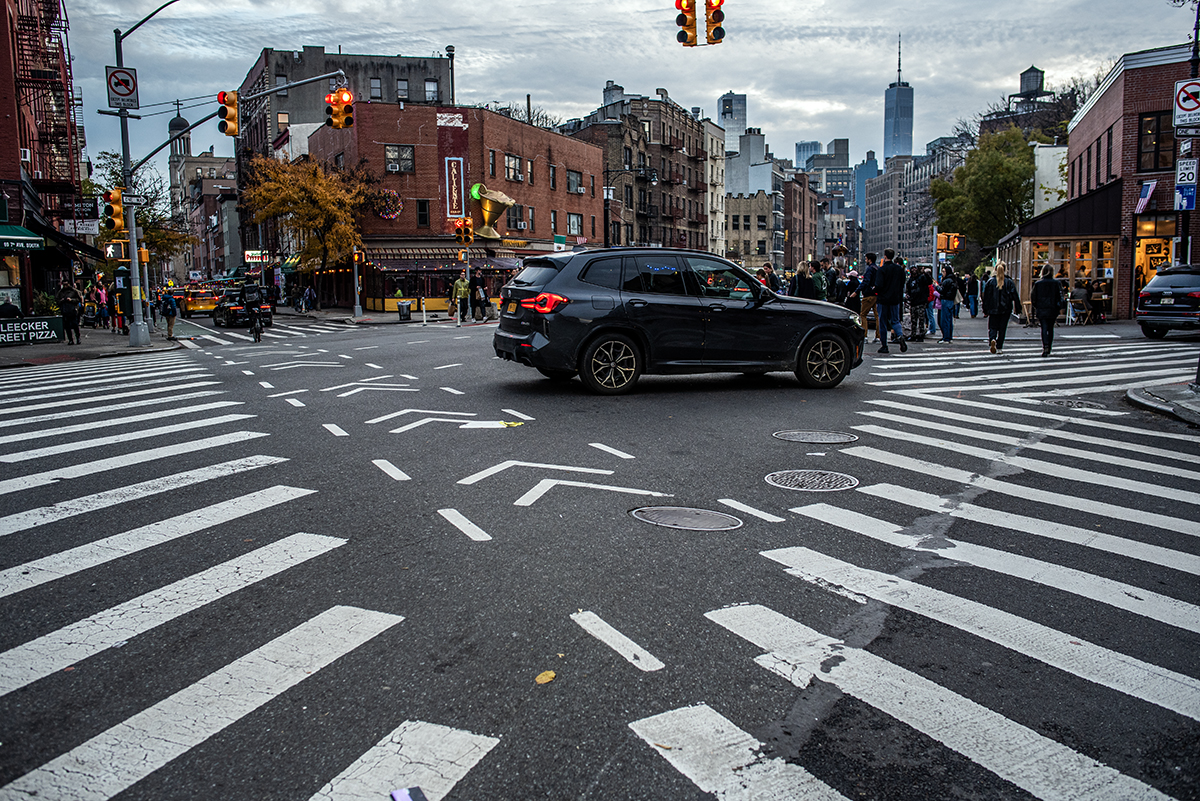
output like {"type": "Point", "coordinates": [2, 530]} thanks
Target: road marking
{"type": "Point", "coordinates": [368, 347]}
{"type": "Point", "coordinates": [402, 412]}
{"type": "Point", "coordinates": [374, 366]}
{"type": "Point", "coordinates": [355, 383]}
{"type": "Point", "coordinates": [189, 345]}
{"type": "Point", "coordinates": [633, 653]}
{"type": "Point", "coordinates": [462, 424]}
{"type": "Point", "coordinates": [517, 414]}
{"type": "Point", "coordinates": [34, 660]}
{"type": "Point", "coordinates": [475, 478]}
{"type": "Point", "coordinates": [287, 392]}
{"type": "Point", "coordinates": [448, 366]}
{"type": "Point", "coordinates": [1117, 594]}
{"type": "Point", "coordinates": [113, 422]}
{"type": "Point", "coordinates": [79, 383]}
{"type": "Point", "coordinates": [128, 436]}
{"type": "Point", "coordinates": [336, 430]}
{"type": "Point", "coordinates": [120, 757]}
{"type": "Point", "coordinates": [409, 377]}
{"type": "Point", "coordinates": [464, 525]}
{"type": "Point", "coordinates": [293, 365]}
{"type": "Point", "coordinates": [98, 410]}
{"type": "Point", "coordinates": [1040, 766]}
{"type": "Point", "coordinates": [63, 564]}
{"type": "Point", "coordinates": [450, 390]}
{"type": "Point", "coordinates": [140, 393]}
{"type": "Point", "coordinates": [391, 470]}
{"type": "Point", "coordinates": [417, 342]}
{"type": "Point", "coordinates": [602, 447]}
{"type": "Point", "coordinates": [416, 754]}
{"type": "Point", "coordinates": [211, 338]}
{"type": "Point", "coordinates": [247, 372]}
{"type": "Point", "coordinates": [266, 385]}
{"type": "Point", "coordinates": [295, 403]}
{"type": "Point", "coordinates": [546, 484]}
{"type": "Point", "coordinates": [344, 356]}
{"type": "Point", "coordinates": [1156, 685]}
{"type": "Point", "coordinates": [48, 477]}
{"type": "Point", "coordinates": [43, 515]}
{"type": "Point", "coordinates": [750, 510]}
{"type": "Point", "coordinates": [720, 758]}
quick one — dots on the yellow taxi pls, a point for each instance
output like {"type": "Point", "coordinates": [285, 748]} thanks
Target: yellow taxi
{"type": "Point", "coordinates": [198, 300]}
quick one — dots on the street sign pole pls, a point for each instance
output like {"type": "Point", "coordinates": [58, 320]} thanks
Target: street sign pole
{"type": "Point", "coordinates": [139, 334]}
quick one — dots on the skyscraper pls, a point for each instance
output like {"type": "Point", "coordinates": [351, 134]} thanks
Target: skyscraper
{"type": "Point", "coordinates": [731, 109]}
{"type": "Point", "coordinates": [806, 149]}
{"type": "Point", "coordinates": [897, 116]}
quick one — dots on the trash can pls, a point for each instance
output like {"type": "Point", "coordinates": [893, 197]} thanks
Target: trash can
{"type": "Point", "coordinates": [405, 309]}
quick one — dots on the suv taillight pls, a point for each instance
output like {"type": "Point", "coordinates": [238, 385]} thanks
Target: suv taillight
{"type": "Point", "coordinates": [1142, 295]}
{"type": "Point", "coordinates": [545, 303]}
{"type": "Point", "coordinates": [1194, 294]}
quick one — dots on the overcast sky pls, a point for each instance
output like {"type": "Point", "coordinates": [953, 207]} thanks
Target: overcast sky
{"type": "Point", "coordinates": [812, 69]}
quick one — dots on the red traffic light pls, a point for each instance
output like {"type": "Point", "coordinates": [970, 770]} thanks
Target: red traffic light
{"type": "Point", "coordinates": [221, 98]}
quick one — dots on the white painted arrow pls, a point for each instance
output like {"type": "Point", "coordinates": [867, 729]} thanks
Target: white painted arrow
{"type": "Point", "coordinates": [415, 411]}
{"type": "Point", "coordinates": [461, 424]}
{"type": "Point", "coordinates": [546, 484]}
{"type": "Point", "coordinates": [378, 388]}
{"type": "Point", "coordinates": [290, 365]}
{"type": "Point", "coordinates": [357, 383]}
{"type": "Point", "coordinates": [491, 471]}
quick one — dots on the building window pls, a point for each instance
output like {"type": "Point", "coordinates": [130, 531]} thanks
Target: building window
{"type": "Point", "coordinates": [376, 89]}
{"type": "Point", "coordinates": [400, 158]}
{"type": "Point", "coordinates": [512, 168]}
{"type": "Point", "coordinates": [734, 218]}
{"type": "Point", "coordinates": [529, 171]}
{"type": "Point", "coordinates": [762, 247]}
{"type": "Point", "coordinates": [1088, 171]}
{"type": "Point", "coordinates": [593, 184]}
{"type": "Point", "coordinates": [422, 213]}
{"type": "Point", "coordinates": [281, 121]}
{"type": "Point", "coordinates": [1099, 180]}
{"type": "Point", "coordinates": [492, 163]}
{"type": "Point", "coordinates": [1110, 172]}
{"type": "Point", "coordinates": [593, 226]}
{"type": "Point", "coordinates": [553, 222]}
{"type": "Point", "coordinates": [553, 178]}
{"type": "Point", "coordinates": [746, 221]}
{"type": "Point", "coordinates": [339, 160]}
{"type": "Point", "coordinates": [574, 224]}
{"type": "Point", "coordinates": [531, 226]}
{"type": "Point", "coordinates": [431, 92]}
{"type": "Point", "coordinates": [628, 156]}
{"type": "Point", "coordinates": [402, 89]}
{"type": "Point", "coordinates": [281, 80]}
{"type": "Point", "coordinates": [1156, 142]}
{"type": "Point", "coordinates": [762, 222]}
{"type": "Point", "coordinates": [515, 217]}
{"type": "Point", "coordinates": [574, 182]}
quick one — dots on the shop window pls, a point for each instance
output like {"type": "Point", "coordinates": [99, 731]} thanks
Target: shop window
{"type": "Point", "coordinates": [1156, 142]}
{"type": "Point", "coordinates": [400, 158]}
{"type": "Point", "coordinates": [1154, 248]}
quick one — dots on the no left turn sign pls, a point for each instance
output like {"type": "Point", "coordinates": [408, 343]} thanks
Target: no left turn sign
{"type": "Point", "coordinates": [1187, 103]}
{"type": "Point", "coordinates": [122, 87]}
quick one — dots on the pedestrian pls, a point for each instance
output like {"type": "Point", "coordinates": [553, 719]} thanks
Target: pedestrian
{"type": "Point", "coordinates": [772, 279]}
{"type": "Point", "coordinates": [169, 311]}
{"type": "Point", "coordinates": [889, 283]}
{"type": "Point", "coordinates": [69, 301]}
{"type": "Point", "coordinates": [802, 283]}
{"type": "Point", "coordinates": [478, 296]}
{"type": "Point", "coordinates": [1047, 301]}
{"type": "Point", "coordinates": [999, 299]}
{"type": "Point", "coordinates": [973, 295]}
{"type": "Point", "coordinates": [962, 292]}
{"type": "Point", "coordinates": [933, 304]}
{"type": "Point", "coordinates": [9, 311]}
{"type": "Point", "coordinates": [461, 293]}
{"type": "Point", "coordinates": [866, 291]}
{"type": "Point", "coordinates": [851, 299]}
{"type": "Point", "coordinates": [816, 272]}
{"type": "Point", "coordinates": [835, 287]}
{"type": "Point", "coordinates": [947, 293]}
{"type": "Point", "coordinates": [919, 283]}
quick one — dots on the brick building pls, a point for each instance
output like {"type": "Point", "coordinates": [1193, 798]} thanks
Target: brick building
{"type": "Point", "coordinates": [429, 157]}
{"type": "Point", "coordinates": [750, 233]}
{"type": "Point", "coordinates": [799, 220]}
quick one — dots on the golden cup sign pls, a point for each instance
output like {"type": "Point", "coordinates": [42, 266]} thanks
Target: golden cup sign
{"type": "Point", "coordinates": [493, 204]}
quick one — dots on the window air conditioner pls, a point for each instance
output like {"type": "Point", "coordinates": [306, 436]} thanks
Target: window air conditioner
{"type": "Point", "coordinates": [26, 154]}
{"type": "Point", "coordinates": [520, 176]}
{"type": "Point", "coordinates": [521, 226]}
{"type": "Point", "coordinates": [579, 190]}
{"type": "Point", "coordinates": [393, 168]}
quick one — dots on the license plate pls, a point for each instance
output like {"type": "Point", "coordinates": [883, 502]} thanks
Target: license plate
{"type": "Point", "coordinates": [512, 307]}
{"type": "Point", "coordinates": [1166, 302]}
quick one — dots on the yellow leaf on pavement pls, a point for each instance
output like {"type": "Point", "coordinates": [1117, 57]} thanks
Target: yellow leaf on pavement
{"type": "Point", "coordinates": [546, 677]}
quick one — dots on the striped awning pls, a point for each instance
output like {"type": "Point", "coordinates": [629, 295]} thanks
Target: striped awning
{"type": "Point", "coordinates": [412, 254]}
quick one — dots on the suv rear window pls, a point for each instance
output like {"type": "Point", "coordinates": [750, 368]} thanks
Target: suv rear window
{"type": "Point", "coordinates": [536, 273]}
{"type": "Point", "coordinates": [604, 272]}
{"type": "Point", "coordinates": [1163, 281]}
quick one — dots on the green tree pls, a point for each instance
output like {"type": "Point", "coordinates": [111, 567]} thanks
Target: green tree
{"type": "Point", "coordinates": [162, 235]}
{"type": "Point", "coordinates": [992, 192]}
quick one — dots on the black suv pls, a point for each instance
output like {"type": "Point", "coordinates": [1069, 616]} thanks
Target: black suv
{"type": "Point", "coordinates": [229, 311]}
{"type": "Point", "coordinates": [610, 315]}
{"type": "Point", "coordinates": [1170, 300]}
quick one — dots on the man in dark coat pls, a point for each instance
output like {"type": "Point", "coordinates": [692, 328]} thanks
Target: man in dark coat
{"type": "Point", "coordinates": [889, 284]}
{"type": "Point", "coordinates": [69, 302]}
{"type": "Point", "coordinates": [1047, 301]}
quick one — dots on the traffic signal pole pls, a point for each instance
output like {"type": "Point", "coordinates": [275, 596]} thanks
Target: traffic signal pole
{"type": "Point", "coordinates": [139, 333]}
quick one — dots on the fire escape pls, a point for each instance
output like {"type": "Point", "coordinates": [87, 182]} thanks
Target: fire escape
{"type": "Point", "coordinates": [44, 87]}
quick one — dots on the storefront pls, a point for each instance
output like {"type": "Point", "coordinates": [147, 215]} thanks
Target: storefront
{"type": "Point", "coordinates": [1154, 245]}
{"type": "Point", "coordinates": [394, 275]}
{"type": "Point", "coordinates": [15, 245]}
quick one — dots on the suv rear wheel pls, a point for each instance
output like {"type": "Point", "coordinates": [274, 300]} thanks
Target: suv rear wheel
{"type": "Point", "coordinates": [611, 365]}
{"type": "Point", "coordinates": [1154, 331]}
{"type": "Point", "coordinates": [824, 361]}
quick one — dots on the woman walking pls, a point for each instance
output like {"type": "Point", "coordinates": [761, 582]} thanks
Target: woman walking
{"type": "Point", "coordinates": [999, 300]}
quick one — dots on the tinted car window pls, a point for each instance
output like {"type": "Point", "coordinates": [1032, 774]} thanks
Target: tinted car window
{"type": "Point", "coordinates": [661, 275]}
{"type": "Point", "coordinates": [719, 280]}
{"type": "Point", "coordinates": [536, 273]}
{"type": "Point", "coordinates": [1188, 281]}
{"type": "Point", "coordinates": [603, 272]}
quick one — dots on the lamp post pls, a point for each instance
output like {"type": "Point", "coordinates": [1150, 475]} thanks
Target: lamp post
{"type": "Point", "coordinates": [640, 172]}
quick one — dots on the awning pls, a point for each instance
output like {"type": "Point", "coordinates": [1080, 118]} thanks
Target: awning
{"type": "Point", "coordinates": [14, 237]}
{"type": "Point", "coordinates": [66, 242]}
{"type": "Point", "coordinates": [289, 265]}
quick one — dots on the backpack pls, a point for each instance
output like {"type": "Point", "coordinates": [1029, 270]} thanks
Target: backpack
{"type": "Point", "coordinates": [168, 306]}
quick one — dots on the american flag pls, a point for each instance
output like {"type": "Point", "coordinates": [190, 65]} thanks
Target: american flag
{"type": "Point", "coordinates": [579, 240]}
{"type": "Point", "coordinates": [1144, 197]}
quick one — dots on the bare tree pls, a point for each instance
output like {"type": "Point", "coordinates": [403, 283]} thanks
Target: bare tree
{"type": "Point", "coordinates": [534, 115]}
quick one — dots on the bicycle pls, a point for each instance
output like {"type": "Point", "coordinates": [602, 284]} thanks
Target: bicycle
{"type": "Point", "coordinates": [256, 326]}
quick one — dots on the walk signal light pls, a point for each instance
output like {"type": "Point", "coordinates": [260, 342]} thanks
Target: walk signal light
{"type": "Point", "coordinates": [956, 242]}
{"type": "Point", "coordinates": [713, 17]}
{"type": "Point", "coordinates": [114, 210]}
{"type": "Point", "coordinates": [686, 22]}
{"type": "Point", "coordinates": [360, 257]}
{"type": "Point", "coordinates": [228, 112]}
{"type": "Point", "coordinates": [339, 113]}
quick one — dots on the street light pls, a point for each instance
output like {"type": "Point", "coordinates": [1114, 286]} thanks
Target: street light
{"type": "Point", "coordinates": [640, 172]}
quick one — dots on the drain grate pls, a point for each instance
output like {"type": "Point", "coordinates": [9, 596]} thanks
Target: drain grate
{"type": "Point", "coordinates": [1072, 403]}
{"type": "Point", "coordinates": [816, 437]}
{"type": "Point", "coordinates": [687, 519]}
{"type": "Point", "coordinates": [812, 480]}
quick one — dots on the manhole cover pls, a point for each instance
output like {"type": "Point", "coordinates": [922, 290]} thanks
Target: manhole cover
{"type": "Point", "coordinates": [818, 437]}
{"type": "Point", "coordinates": [1072, 403]}
{"type": "Point", "coordinates": [688, 519]}
{"type": "Point", "coordinates": [812, 480]}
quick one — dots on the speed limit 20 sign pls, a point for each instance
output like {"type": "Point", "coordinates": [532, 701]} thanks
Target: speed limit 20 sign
{"type": "Point", "coordinates": [1185, 184]}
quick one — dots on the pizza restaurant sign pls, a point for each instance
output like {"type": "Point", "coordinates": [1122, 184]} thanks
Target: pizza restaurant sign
{"type": "Point", "coordinates": [29, 330]}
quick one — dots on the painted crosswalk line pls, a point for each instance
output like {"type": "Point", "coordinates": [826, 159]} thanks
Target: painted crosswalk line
{"type": "Point", "coordinates": [112, 423]}
{"type": "Point", "coordinates": [118, 758]}
{"type": "Point", "coordinates": [125, 436]}
{"type": "Point", "coordinates": [633, 653]}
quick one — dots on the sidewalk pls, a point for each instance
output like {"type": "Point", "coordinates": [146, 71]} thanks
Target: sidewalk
{"type": "Point", "coordinates": [343, 315]}
{"type": "Point", "coordinates": [96, 344]}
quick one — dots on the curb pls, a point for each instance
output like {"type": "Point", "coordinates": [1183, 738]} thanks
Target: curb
{"type": "Point", "coordinates": [1145, 400]}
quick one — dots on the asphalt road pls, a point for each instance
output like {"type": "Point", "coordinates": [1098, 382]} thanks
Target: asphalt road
{"type": "Point", "coordinates": [334, 565]}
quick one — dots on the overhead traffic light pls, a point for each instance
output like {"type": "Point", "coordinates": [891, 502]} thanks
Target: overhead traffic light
{"type": "Point", "coordinates": [713, 17]}
{"type": "Point", "coordinates": [228, 112]}
{"type": "Point", "coordinates": [464, 231]}
{"type": "Point", "coordinates": [686, 22]}
{"type": "Point", "coordinates": [339, 113]}
{"type": "Point", "coordinates": [114, 210]}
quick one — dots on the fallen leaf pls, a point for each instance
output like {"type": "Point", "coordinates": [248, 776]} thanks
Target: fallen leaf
{"type": "Point", "coordinates": [560, 656]}
{"type": "Point", "coordinates": [664, 747]}
{"type": "Point", "coordinates": [546, 677]}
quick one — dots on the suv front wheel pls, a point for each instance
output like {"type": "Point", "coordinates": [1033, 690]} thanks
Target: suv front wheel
{"type": "Point", "coordinates": [611, 365]}
{"type": "Point", "coordinates": [824, 361]}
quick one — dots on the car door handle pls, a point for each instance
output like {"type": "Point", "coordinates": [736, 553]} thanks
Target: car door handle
{"type": "Point", "coordinates": [717, 307]}
{"type": "Point", "coordinates": [637, 304]}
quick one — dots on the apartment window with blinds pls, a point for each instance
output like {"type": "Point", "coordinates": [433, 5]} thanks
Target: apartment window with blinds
{"type": "Point", "coordinates": [377, 89]}
{"type": "Point", "coordinates": [281, 121]}
{"type": "Point", "coordinates": [431, 92]}
{"type": "Point", "coordinates": [401, 89]}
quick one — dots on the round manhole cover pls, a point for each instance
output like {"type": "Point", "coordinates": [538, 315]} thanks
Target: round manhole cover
{"type": "Point", "coordinates": [1072, 403]}
{"type": "Point", "coordinates": [812, 480]}
{"type": "Point", "coordinates": [688, 519]}
{"type": "Point", "coordinates": [816, 437]}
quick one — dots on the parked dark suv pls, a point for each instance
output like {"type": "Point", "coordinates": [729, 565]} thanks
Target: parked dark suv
{"type": "Point", "coordinates": [611, 315]}
{"type": "Point", "coordinates": [1170, 300]}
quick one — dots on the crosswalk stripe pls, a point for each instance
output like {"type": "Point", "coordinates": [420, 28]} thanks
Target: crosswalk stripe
{"type": "Point", "coordinates": [1040, 766]}
{"type": "Point", "coordinates": [44, 515]}
{"type": "Point", "coordinates": [1012, 489]}
{"type": "Point", "coordinates": [633, 653]}
{"type": "Point", "coordinates": [91, 399]}
{"type": "Point", "coordinates": [935, 381]}
{"type": "Point", "coordinates": [114, 422]}
{"type": "Point", "coordinates": [120, 462]}
{"type": "Point", "coordinates": [1156, 685]}
{"type": "Point", "coordinates": [92, 383]}
{"type": "Point", "coordinates": [1140, 378]}
{"type": "Point", "coordinates": [415, 754]}
{"type": "Point", "coordinates": [720, 758]}
{"type": "Point", "coordinates": [1134, 381]}
{"type": "Point", "coordinates": [97, 411]}
{"type": "Point", "coordinates": [127, 436]}
{"type": "Point", "coordinates": [1088, 538]}
{"type": "Point", "coordinates": [34, 660]}
{"type": "Point", "coordinates": [72, 370]}
{"type": "Point", "coordinates": [211, 338]}
{"type": "Point", "coordinates": [1117, 594]}
{"type": "Point", "coordinates": [60, 565]}
{"type": "Point", "coordinates": [1068, 354]}
{"type": "Point", "coordinates": [116, 759]}
{"type": "Point", "coordinates": [91, 392]}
